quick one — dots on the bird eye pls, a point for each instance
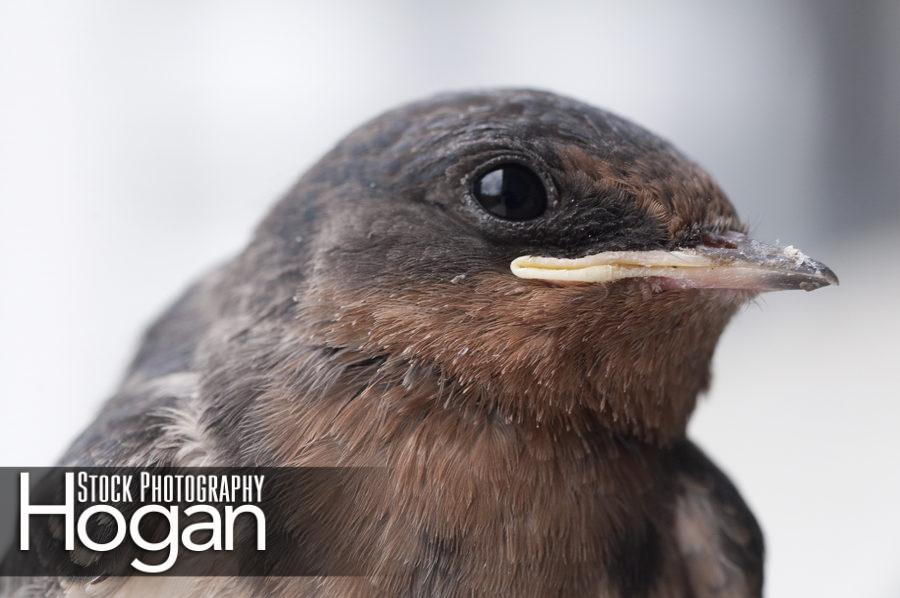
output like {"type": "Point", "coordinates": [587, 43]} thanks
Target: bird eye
{"type": "Point", "coordinates": [511, 192]}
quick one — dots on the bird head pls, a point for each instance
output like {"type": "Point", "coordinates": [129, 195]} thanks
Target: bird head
{"type": "Point", "coordinates": [531, 256]}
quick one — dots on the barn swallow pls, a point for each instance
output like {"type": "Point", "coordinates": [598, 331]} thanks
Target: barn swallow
{"type": "Point", "coordinates": [510, 300]}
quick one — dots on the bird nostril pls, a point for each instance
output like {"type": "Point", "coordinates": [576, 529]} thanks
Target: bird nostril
{"type": "Point", "coordinates": [718, 241]}
{"type": "Point", "coordinates": [709, 236]}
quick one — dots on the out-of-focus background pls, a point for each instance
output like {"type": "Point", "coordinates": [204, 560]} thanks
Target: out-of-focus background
{"type": "Point", "coordinates": [141, 141]}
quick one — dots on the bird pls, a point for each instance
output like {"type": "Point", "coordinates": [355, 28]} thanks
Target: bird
{"type": "Point", "coordinates": [507, 298]}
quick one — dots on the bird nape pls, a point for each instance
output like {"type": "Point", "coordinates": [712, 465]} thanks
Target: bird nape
{"type": "Point", "coordinates": [508, 299]}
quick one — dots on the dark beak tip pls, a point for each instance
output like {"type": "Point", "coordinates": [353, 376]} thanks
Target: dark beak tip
{"type": "Point", "coordinates": [822, 277]}
{"type": "Point", "coordinates": [829, 276]}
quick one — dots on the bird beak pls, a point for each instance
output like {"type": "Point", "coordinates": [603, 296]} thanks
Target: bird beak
{"type": "Point", "coordinates": [730, 261]}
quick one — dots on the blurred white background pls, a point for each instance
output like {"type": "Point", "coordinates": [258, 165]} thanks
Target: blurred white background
{"type": "Point", "coordinates": [141, 141]}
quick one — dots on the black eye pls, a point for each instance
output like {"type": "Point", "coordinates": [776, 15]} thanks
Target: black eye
{"type": "Point", "coordinates": [511, 192]}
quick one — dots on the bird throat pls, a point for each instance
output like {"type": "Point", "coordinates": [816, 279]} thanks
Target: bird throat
{"type": "Point", "coordinates": [623, 359]}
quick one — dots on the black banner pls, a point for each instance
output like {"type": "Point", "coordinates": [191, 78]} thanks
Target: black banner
{"type": "Point", "coordinates": [101, 522]}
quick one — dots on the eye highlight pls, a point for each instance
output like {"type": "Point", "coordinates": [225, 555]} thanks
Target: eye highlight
{"type": "Point", "coordinates": [511, 192]}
